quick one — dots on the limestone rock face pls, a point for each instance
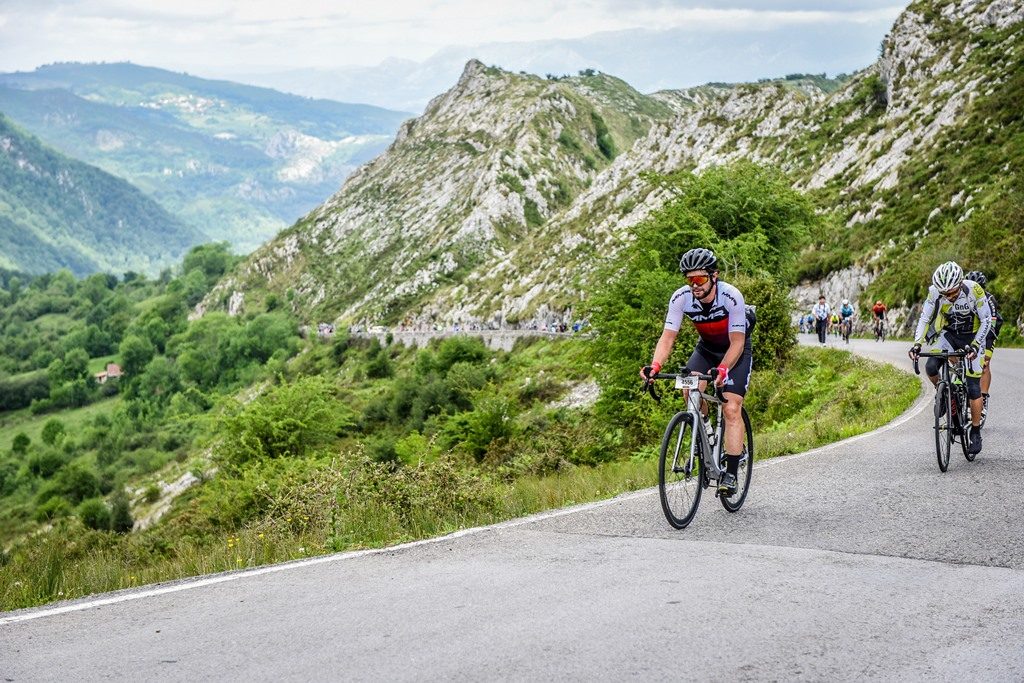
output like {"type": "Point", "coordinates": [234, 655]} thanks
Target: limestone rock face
{"type": "Point", "coordinates": [497, 205]}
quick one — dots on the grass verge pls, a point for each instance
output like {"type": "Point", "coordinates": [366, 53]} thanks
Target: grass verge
{"type": "Point", "coordinates": [347, 501]}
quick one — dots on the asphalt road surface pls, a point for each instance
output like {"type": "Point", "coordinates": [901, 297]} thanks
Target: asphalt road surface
{"type": "Point", "coordinates": [859, 560]}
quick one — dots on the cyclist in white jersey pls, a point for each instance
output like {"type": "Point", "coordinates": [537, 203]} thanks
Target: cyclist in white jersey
{"type": "Point", "coordinates": [959, 311]}
{"type": "Point", "coordinates": [724, 323]}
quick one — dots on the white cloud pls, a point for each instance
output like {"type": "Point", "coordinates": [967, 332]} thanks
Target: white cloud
{"type": "Point", "coordinates": [197, 34]}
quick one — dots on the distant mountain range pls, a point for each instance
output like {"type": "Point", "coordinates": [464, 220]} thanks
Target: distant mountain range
{"type": "Point", "coordinates": [56, 212]}
{"type": "Point", "coordinates": [648, 60]}
{"type": "Point", "coordinates": [235, 162]}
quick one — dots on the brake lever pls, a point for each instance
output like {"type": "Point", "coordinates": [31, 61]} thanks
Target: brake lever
{"type": "Point", "coordinates": [649, 388]}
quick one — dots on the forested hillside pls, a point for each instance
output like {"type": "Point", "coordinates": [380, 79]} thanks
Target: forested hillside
{"type": "Point", "coordinates": [229, 441]}
{"type": "Point", "coordinates": [237, 163]}
{"type": "Point", "coordinates": [56, 212]}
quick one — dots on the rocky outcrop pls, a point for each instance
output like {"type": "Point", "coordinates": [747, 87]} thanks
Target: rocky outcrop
{"type": "Point", "coordinates": [499, 202]}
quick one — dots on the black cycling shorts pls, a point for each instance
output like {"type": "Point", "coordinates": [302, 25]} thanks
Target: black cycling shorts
{"type": "Point", "coordinates": [703, 359]}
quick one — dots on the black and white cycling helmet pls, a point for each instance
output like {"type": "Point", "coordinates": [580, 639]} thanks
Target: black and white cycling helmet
{"type": "Point", "coordinates": [698, 259]}
{"type": "Point", "coordinates": [947, 276]}
{"type": "Point", "coordinates": [977, 276]}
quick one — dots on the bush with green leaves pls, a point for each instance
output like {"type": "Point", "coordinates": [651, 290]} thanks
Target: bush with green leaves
{"type": "Point", "coordinates": [121, 513]}
{"type": "Point", "coordinates": [94, 514]}
{"type": "Point", "coordinates": [53, 508]}
{"type": "Point", "coordinates": [53, 431]}
{"type": "Point", "coordinates": [21, 443]}
{"type": "Point", "coordinates": [492, 419]}
{"type": "Point", "coordinates": [46, 462]}
{"type": "Point", "coordinates": [754, 221]}
{"type": "Point", "coordinates": [287, 421]}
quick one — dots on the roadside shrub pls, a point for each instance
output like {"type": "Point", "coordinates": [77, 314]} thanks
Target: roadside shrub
{"type": "Point", "coordinates": [94, 514]}
{"type": "Point", "coordinates": [379, 364]}
{"type": "Point", "coordinates": [288, 421]}
{"type": "Point", "coordinates": [53, 508]}
{"type": "Point", "coordinates": [491, 420]}
{"type": "Point", "coordinates": [381, 449]}
{"type": "Point", "coordinates": [465, 379]}
{"type": "Point", "coordinates": [459, 349]}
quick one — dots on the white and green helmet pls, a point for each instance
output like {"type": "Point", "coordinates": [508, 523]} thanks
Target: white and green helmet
{"type": "Point", "coordinates": [947, 276]}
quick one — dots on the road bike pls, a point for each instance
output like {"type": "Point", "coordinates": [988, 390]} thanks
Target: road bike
{"type": "Point", "coordinates": [951, 409]}
{"type": "Point", "coordinates": [692, 450]}
{"type": "Point", "coordinates": [845, 327]}
{"type": "Point", "coordinates": [879, 330]}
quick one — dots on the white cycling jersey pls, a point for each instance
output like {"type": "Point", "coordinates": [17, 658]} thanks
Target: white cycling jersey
{"type": "Point", "coordinates": [726, 313]}
{"type": "Point", "coordinates": [968, 314]}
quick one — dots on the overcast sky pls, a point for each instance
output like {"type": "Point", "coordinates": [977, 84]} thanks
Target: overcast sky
{"type": "Point", "coordinates": [221, 36]}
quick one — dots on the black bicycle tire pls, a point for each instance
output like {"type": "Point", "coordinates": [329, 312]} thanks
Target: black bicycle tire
{"type": "Point", "coordinates": [675, 521]}
{"type": "Point", "coordinates": [734, 502]}
{"type": "Point", "coordinates": [943, 435]}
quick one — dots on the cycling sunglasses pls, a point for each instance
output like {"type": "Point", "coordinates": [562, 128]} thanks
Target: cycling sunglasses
{"type": "Point", "coordinates": [698, 279]}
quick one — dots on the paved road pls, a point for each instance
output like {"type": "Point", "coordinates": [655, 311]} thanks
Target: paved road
{"type": "Point", "coordinates": [859, 560]}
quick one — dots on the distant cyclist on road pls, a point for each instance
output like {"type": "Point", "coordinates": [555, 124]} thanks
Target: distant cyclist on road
{"type": "Point", "coordinates": [959, 311]}
{"type": "Point", "coordinates": [846, 319]}
{"type": "Point", "coordinates": [723, 323]}
{"type": "Point", "coordinates": [878, 312]}
{"type": "Point", "coordinates": [821, 312]}
{"type": "Point", "coordinates": [990, 342]}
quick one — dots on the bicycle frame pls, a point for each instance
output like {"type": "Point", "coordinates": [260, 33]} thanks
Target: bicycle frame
{"type": "Point", "coordinates": [694, 397]}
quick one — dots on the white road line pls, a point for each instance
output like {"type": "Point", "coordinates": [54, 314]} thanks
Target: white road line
{"type": "Point", "coordinates": [188, 584]}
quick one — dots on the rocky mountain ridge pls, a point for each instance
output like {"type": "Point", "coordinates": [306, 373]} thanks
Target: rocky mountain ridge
{"type": "Point", "coordinates": [443, 239]}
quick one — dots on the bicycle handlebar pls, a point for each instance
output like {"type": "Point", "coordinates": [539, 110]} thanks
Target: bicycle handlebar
{"type": "Point", "coordinates": [648, 386]}
{"type": "Point", "coordinates": [936, 354]}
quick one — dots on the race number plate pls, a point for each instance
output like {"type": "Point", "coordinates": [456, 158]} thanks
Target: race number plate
{"type": "Point", "coordinates": [686, 382]}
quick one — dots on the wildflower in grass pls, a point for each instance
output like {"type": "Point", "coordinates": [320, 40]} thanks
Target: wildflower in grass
{"type": "Point", "coordinates": [260, 536]}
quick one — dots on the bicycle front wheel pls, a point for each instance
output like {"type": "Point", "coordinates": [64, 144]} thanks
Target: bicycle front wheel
{"type": "Point", "coordinates": [680, 476]}
{"type": "Point", "coordinates": [943, 425]}
{"type": "Point", "coordinates": [746, 469]}
{"type": "Point", "coordinates": [965, 420]}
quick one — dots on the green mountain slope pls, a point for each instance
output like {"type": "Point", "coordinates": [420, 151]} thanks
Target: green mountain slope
{"type": "Point", "coordinates": [56, 213]}
{"type": "Point", "coordinates": [916, 159]}
{"type": "Point", "coordinates": [485, 167]}
{"type": "Point", "coordinates": [235, 161]}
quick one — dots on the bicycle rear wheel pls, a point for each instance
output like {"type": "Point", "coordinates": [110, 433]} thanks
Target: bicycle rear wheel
{"type": "Point", "coordinates": [743, 474]}
{"type": "Point", "coordinates": [679, 476]}
{"type": "Point", "coordinates": [943, 425]}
